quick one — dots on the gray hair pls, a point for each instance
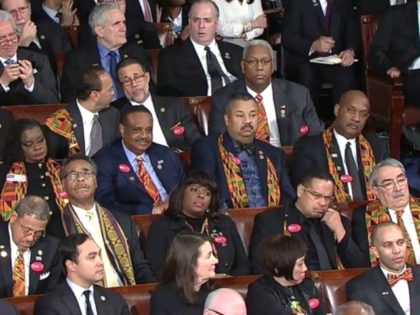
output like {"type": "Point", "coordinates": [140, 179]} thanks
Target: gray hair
{"type": "Point", "coordinates": [97, 16]}
{"type": "Point", "coordinates": [373, 178]}
{"type": "Point", "coordinates": [216, 8]}
{"type": "Point", "coordinates": [364, 308]}
{"type": "Point", "coordinates": [77, 157]}
{"type": "Point", "coordinates": [7, 17]}
{"type": "Point", "coordinates": [258, 42]}
{"type": "Point", "coordinates": [33, 206]}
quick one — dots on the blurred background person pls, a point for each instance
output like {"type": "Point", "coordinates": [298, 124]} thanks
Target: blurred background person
{"type": "Point", "coordinates": [194, 208]}
{"type": "Point", "coordinates": [224, 301]}
{"type": "Point", "coordinates": [184, 286]}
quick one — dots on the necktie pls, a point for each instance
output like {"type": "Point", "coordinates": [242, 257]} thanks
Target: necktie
{"type": "Point", "coordinates": [248, 148]}
{"type": "Point", "coordinates": [406, 275]}
{"type": "Point", "coordinates": [147, 181]}
{"type": "Point", "coordinates": [399, 1]}
{"type": "Point", "coordinates": [59, 17]}
{"type": "Point", "coordinates": [9, 62]}
{"type": "Point", "coordinates": [354, 173]}
{"type": "Point", "coordinates": [113, 60]}
{"type": "Point", "coordinates": [215, 71]}
{"type": "Point", "coordinates": [147, 13]}
{"type": "Point", "coordinates": [410, 253]}
{"type": "Point", "coordinates": [263, 132]}
{"type": "Point", "coordinates": [328, 11]}
{"type": "Point", "coordinates": [89, 310]}
{"type": "Point", "coordinates": [95, 136]}
{"type": "Point", "coordinates": [19, 275]}
{"type": "Point", "coordinates": [324, 261]}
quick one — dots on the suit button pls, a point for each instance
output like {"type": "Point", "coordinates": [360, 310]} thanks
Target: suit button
{"type": "Point", "coordinates": [42, 176]}
{"type": "Point", "coordinates": [46, 198]}
{"type": "Point", "coordinates": [43, 185]}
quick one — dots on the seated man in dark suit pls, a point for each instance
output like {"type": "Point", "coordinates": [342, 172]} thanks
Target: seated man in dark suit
{"type": "Point", "coordinates": [28, 262]}
{"type": "Point", "coordinates": [87, 123]}
{"type": "Point", "coordinates": [392, 286]}
{"type": "Point", "coordinates": [59, 12]}
{"type": "Point", "coordinates": [199, 65]}
{"type": "Point", "coordinates": [249, 172]}
{"type": "Point", "coordinates": [6, 120]}
{"type": "Point", "coordinates": [108, 24]}
{"type": "Point", "coordinates": [173, 126]}
{"type": "Point", "coordinates": [395, 51]}
{"type": "Point", "coordinates": [123, 260]}
{"type": "Point", "coordinates": [81, 261]}
{"type": "Point", "coordinates": [343, 150]}
{"type": "Point", "coordinates": [26, 76]}
{"type": "Point", "coordinates": [315, 29]}
{"type": "Point", "coordinates": [135, 175]}
{"type": "Point", "coordinates": [285, 107]}
{"type": "Point", "coordinates": [313, 218]}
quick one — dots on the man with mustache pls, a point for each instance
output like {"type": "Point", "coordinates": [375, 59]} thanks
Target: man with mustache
{"type": "Point", "coordinates": [136, 175]}
{"type": "Point", "coordinates": [249, 172]}
{"type": "Point", "coordinates": [393, 204]}
{"type": "Point", "coordinates": [392, 286]}
{"type": "Point", "coordinates": [343, 150]}
{"type": "Point", "coordinates": [114, 233]}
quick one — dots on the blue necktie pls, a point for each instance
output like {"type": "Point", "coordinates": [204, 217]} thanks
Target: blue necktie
{"type": "Point", "coordinates": [113, 71]}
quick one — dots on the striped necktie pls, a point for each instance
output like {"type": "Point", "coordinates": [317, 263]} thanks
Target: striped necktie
{"type": "Point", "coordinates": [263, 132]}
{"type": "Point", "coordinates": [147, 181]}
{"type": "Point", "coordinates": [19, 275]}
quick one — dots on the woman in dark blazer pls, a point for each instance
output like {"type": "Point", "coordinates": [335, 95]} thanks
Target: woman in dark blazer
{"type": "Point", "coordinates": [184, 287]}
{"type": "Point", "coordinates": [193, 207]}
{"type": "Point", "coordinates": [283, 289]}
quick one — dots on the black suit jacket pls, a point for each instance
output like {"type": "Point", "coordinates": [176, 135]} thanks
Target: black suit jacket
{"type": "Point", "coordinates": [63, 302]}
{"type": "Point", "coordinates": [82, 58]}
{"type": "Point", "coordinates": [180, 72]}
{"type": "Point", "coordinates": [272, 222]}
{"type": "Point", "coordinates": [171, 112]}
{"type": "Point", "coordinates": [396, 42]}
{"type": "Point", "coordinates": [43, 251]}
{"type": "Point", "coordinates": [45, 88]}
{"type": "Point", "coordinates": [292, 102]}
{"type": "Point", "coordinates": [309, 152]}
{"type": "Point", "coordinates": [6, 120]}
{"type": "Point", "coordinates": [109, 119]}
{"type": "Point", "coordinates": [205, 157]}
{"type": "Point", "coordinates": [304, 23]}
{"type": "Point", "coordinates": [374, 7]}
{"type": "Point", "coordinates": [372, 288]}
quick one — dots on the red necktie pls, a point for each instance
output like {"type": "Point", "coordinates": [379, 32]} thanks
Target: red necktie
{"type": "Point", "coordinates": [263, 132]}
{"type": "Point", "coordinates": [147, 181]}
{"type": "Point", "coordinates": [406, 275]}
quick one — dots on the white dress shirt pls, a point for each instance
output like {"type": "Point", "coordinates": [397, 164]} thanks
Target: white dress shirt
{"type": "Point", "coordinates": [87, 118]}
{"type": "Point", "coordinates": [401, 292]}
{"type": "Point", "coordinates": [80, 297]}
{"type": "Point", "coordinates": [26, 259]}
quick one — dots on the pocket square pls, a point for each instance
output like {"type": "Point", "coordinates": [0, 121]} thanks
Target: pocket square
{"type": "Point", "coordinates": [44, 276]}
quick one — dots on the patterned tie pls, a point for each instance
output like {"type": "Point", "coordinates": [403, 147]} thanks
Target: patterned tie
{"type": "Point", "coordinates": [147, 13]}
{"type": "Point", "coordinates": [9, 62]}
{"type": "Point", "coordinates": [95, 136]}
{"type": "Point", "coordinates": [406, 275]}
{"type": "Point", "coordinates": [215, 71]}
{"type": "Point", "coordinates": [19, 275]}
{"type": "Point", "coordinates": [147, 181]}
{"type": "Point", "coordinates": [411, 259]}
{"type": "Point", "coordinates": [353, 172]}
{"type": "Point", "coordinates": [263, 132]}
{"type": "Point", "coordinates": [88, 306]}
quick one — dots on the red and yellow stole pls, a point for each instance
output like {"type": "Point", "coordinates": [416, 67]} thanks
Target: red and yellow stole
{"type": "Point", "coordinates": [368, 163]}
{"type": "Point", "coordinates": [14, 191]}
{"type": "Point", "coordinates": [61, 123]}
{"type": "Point", "coordinates": [376, 213]}
{"type": "Point", "coordinates": [236, 183]}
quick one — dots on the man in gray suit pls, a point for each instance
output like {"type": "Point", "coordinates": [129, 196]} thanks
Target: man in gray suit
{"type": "Point", "coordinates": [288, 106]}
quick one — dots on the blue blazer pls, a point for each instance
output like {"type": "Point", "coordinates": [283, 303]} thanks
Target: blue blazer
{"type": "Point", "coordinates": [120, 190]}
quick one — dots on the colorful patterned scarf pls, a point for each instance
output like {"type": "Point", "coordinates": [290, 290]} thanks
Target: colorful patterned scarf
{"type": "Point", "coordinates": [376, 213]}
{"type": "Point", "coordinates": [114, 239]}
{"type": "Point", "coordinates": [61, 123]}
{"type": "Point", "coordinates": [236, 183]}
{"type": "Point", "coordinates": [368, 163]}
{"type": "Point", "coordinates": [14, 191]}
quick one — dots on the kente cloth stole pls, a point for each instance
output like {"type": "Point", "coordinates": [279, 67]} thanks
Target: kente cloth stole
{"type": "Point", "coordinates": [61, 123]}
{"type": "Point", "coordinates": [376, 213]}
{"type": "Point", "coordinates": [113, 235]}
{"type": "Point", "coordinates": [14, 191]}
{"type": "Point", "coordinates": [236, 183]}
{"type": "Point", "coordinates": [368, 163]}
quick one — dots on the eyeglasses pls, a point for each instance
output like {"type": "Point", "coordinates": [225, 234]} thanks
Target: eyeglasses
{"type": "Point", "coordinates": [32, 144]}
{"type": "Point", "coordinates": [318, 196]}
{"type": "Point", "coordinates": [390, 184]}
{"type": "Point", "coordinates": [8, 38]}
{"type": "Point", "coordinates": [352, 112]}
{"type": "Point", "coordinates": [28, 231]}
{"type": "Point", "coordinates": [253, 62]}
{"type": "Point", "coordinates": [73, 175]}
{"type": "Point", "coordinates": [216, 312]}
{"type": "Point", "coordinates": [21, 10]}
{"type": "Point", "coordinates": [136, 79]}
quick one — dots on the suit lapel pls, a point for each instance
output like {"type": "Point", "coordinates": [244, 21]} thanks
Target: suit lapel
{"type": "Point", "coordinates": [158, 164]}
{"type": "Point", "coordinates": [69, 299]}
{"type": "Point", "coordinates": [414, 287]}
{"type": "Point", "coordinates": [107, 125]}
{"type": "Point", "coordinates": [5, 260]}
{"type": "Point", "coordinates": [360, 165]}
{"type": "Point", "coordinates": [77, 125]}
{"type": "Point", "coordinates": [162, 114]}
{"type": "Point", "coordinates": [226, 58]}
{"type": "Point", "coordinates": [101, 302]}
{"type": "Point", "coordinates": [281, 113]}
{"type": "Point", "coordinates": [194, 61]}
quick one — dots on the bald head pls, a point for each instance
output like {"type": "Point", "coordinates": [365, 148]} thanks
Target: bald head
{"type": "Point", "coordinates": [224, 301]}
{"type": "Point", "coordinates": [354, 308]}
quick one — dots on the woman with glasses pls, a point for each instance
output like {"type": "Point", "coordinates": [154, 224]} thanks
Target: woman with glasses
{"type": "Point", "coordinates": [28, 171]}
{"type": "Point", "coordinates": [283, 289]}
{"type": "Point", "coordinates": [184, 284]}
{"type": "Point", "coordinates": [193, 208]}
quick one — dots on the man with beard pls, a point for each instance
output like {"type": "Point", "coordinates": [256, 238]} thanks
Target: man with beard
{"type": "Point", "coordinates": [343, 150]}
{"type": "Point", "coordinates": [249, 172]}
{"type": "Point", "coordinates": [393, 204]}
{"type": "Point", "coordinates": [312, 218]}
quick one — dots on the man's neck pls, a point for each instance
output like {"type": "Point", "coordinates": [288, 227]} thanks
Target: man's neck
{"type": "Point", "coordinates": [83, 204]}
{"type": "Point", "coordinates": [88, 105]}
{"type": "Point", "coordinates": [257, 88]}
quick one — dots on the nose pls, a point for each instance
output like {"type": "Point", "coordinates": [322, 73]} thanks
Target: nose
{"type": "Point", "coordinates": [304, 268]}
{"type": "Point", "coordinates": [201, 24]}
{"type": "Point", "coordinates": [215, 260]}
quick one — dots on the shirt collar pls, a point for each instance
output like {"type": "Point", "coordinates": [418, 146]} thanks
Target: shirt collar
{"type": "Point", "coordinates": [3, 60]}
{"type": "Point", "coordinates": [198, 47]}
{"type": "Point", "coordinates": [77, 289]}
{"type": "Point", "coordinates": [103, 51]}
{"type": "Point", "coordinates": [50, 12]}
{"type": "Point", "coordinates": [87, 115]}
{"type": "Point", "coordinates": [131, 156]}
{"type": "Point", "coordinates": [342, 141]}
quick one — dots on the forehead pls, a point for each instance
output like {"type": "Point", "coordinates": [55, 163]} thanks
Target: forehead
{"type": "Point", "coordinates": [6, 28]}
{"type": "Point", "coordinates": [134, 68]}
{"type": "Point", "coordinates": [388, 172]}
{"type": "Point", "coordinates": [32, 132]}
{"type": "Point", "coordinates": [205, 248]}
{"type": "Point", "coordinates": [13, 4]}
{"type": "Point", "coordinates": [113, 15]}
{"type": "Point", "coordinates": [389, 234]}
{"type": "Point", "coordinates": [139, 119]}
{"type": "Point", "coordinates": [243, 106]}
{"type": "Point", "coordinates": [257, 51]}
{"type": "Point", "coordinates": [203, 10]}
{"type": "Point", "coordinates": [31, 222]}
{"type": "Point", "coordinates": [78, 164]}
{"type": "Point", "coordinates": [322, 186]}
{"type": "Point", "coordinates": [87, 247]}
{"type": "Point", "coordinates": [359, 101]}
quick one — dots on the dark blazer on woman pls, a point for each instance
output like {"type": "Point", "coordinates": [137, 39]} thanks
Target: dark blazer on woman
{"type": "Point", "coordinates": [269, 295]}
{"type": "Point", "coordinates": [228, 244]}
